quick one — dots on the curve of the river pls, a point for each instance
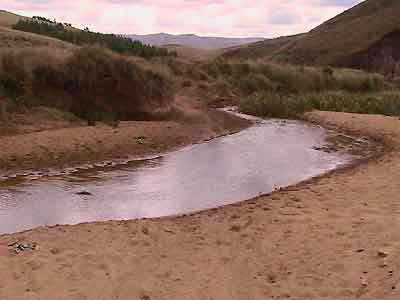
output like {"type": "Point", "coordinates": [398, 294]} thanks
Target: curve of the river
{"type": "Point", "coordinates": [270, 154]}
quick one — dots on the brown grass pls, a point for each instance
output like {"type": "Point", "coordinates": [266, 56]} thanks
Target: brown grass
{"type": "Point", "coordinates": [14, 40]}
{"type": "Point", "coordinates": [88, 81]}
{"type": "Point", "coordinates": [189, 53]}
{"type": "Point", "coordinates": [350, 32]}
{"type": "Point", "coordinates": [7, 19]}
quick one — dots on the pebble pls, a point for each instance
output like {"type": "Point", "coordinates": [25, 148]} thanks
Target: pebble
{"type": "Point", "coordinates": [21, 246]}
{"type": "Point", "coordinates": [84, 193]}
{"type": "Point", "coordinates": [383, 253]}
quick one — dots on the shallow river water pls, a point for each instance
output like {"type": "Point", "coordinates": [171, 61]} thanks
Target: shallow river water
{"type": "Point", "coordinates": [229, 169]}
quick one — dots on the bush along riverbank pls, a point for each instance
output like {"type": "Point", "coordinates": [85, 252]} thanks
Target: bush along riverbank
{"type": "Point", "coordinates": [90, 82]}
{"type": "Point", "coordinates": [65, 32]}
{"type": "Point", "coordinates": [293, 105]}
{"type": "Point", "coordinates": [287, 91]}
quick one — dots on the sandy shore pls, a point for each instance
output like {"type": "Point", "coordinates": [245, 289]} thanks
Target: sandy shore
{"type": "Point", "coordinates": [82, 144]}
{"type": "Point", "coordinates": [336, 237]}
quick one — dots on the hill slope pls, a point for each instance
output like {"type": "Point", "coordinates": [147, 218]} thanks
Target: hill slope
{"type": "Point", "coordinates": [193, 53]}
{"type": "Point", "coordinates": [350, 32]}
{"type": "Point", "coordinates": [345, 40]}
{"type": "Point", "coordinates": [270, 48]}
{"type": "Point", "coordinates": [7, 19]}
{"type": "Point", "coordinates": [16, 40]}
{"type": "Point", "coordinates": [192, 40]}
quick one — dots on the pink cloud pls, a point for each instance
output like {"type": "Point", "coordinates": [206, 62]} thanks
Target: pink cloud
{"type": "Point", "coordinates": [204, 17]}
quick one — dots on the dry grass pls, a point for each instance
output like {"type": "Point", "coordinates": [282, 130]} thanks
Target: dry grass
{"type": "Point", "coordinates": [290, 106]}
{"type": "Point", "coordinates": [36, 119]}
{"type": "Point", "coordinates": [14, 40]}
{"type": "Point", "coordinates": [248, 77]}
{"type": "Point", "coordinates": [350, 32]}
{"type": "Point", "coordinates": [7, 19]}
{"type": "Point", "coordinates": [90, 82]}
{"type": "Point", "coordinates": [189, 53]}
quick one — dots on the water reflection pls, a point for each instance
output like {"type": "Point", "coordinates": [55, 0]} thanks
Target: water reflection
{"type": "Point", "coordinates": [225, 170]}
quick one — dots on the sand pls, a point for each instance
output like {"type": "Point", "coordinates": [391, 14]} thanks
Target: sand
{"type": "Point", "coordinates": [75, 145]}
{"type": "Point", "coordinates": [335, 237]}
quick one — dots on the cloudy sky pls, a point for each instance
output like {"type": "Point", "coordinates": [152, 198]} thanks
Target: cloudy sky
{"type": "Point", "coordinates": [239, 18]}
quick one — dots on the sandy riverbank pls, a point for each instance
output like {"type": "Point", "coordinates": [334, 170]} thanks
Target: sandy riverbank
{"type": "Point", "coordinates": [82, 144]}
{"type": "Point", "coordinates": [336, 237]}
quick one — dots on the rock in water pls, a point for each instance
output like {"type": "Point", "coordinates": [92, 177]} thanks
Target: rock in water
{"type": "Point", "coordinates": [84, 193]}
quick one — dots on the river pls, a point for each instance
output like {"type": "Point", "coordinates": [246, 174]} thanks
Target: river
{"type": "Point", "coordinates": [266, 156]}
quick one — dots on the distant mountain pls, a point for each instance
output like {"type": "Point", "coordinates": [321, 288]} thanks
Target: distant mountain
{"type": "Point", "coordinates": [366, 36]}
{"type": "Point", "coordinates": [192, 40]}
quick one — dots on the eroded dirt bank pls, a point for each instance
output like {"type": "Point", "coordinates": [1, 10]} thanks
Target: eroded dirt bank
{"type": "Point", "coordinates": [83, 144]}
{"type": "Point", "coordinates": [337, 237]}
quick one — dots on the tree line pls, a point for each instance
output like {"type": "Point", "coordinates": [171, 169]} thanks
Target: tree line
{"type": "Point", "coordinates": [118, 43]}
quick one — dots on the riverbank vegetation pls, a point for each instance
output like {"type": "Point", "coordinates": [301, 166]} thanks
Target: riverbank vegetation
{"type": "Point", "coordinates": [291, 106]}
{"type": "Point", "coordinates": [90, 82]}
{"type": "Point", "coordinates": [97, 83]}
{"type": "Point", "coordinates": [252, 77]}
{"type": "Point", "coordinates": [273, 90]}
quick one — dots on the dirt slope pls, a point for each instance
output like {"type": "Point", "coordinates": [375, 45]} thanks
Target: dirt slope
{"type": "Point", "coordinates": [337, 237]}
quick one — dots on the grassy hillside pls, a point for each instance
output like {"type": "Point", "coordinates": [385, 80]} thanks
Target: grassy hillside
{"type": "Point", "coordinates": [37, 70]}
{"type": "Point", "coordinates": [190, 53]}
{"type": "Point", "coordinates": [88, 81]}
{"type": "Point", "coordinates": [269, 48]}
{"type": "Point", "coordinates": [352, 31]}
{"type": "Point", "coordinates": [347, 35]}
{"type": "Point", "coordinates": [8, 19]}
{"type": "Point", "coordinates": [193, 41]}
{"type": "Point", "coordinates": [64, 32]}
{"type": "Point", "coordinates": [14, 39]}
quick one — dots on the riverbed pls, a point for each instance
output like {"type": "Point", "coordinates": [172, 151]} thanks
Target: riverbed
{"type": "Point", "coordinates": [267, 156]}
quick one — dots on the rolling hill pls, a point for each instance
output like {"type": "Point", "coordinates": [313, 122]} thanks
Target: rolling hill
{"type": "Point", "coordinates": [192, 40]}
{"type": "Point", "coordinates": [195, 54]}
{"type": "Point", "coordinates": [7, 19]}
{"type": "Point", "coordinates": [15, 39]}
{"type": "Point", "coordinates": [365, 36]}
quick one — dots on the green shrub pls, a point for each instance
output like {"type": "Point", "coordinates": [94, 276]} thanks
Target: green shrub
{"type": "Point", "coordinates": [253, 83]}
{"type": "Point", "coordinates": [273, 105]}
{"type": "Point", "coordinates": [288, 106]}
{"type": "Point", "coordinates": [224, 67]}
{"type": "Point", "coordinates": [210, 68]}
{"type": "Point", "coordinates": [10, 86]}
{"type": "Point", "coordinates": [287, 79]}
{"type": "Point", "coordinates": [327, 71]}
{"type": "Point", "coordinates": [187, 83]}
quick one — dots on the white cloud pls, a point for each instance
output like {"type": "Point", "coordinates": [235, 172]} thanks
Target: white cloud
{"type": "Point", "coordinates": [206, 17]}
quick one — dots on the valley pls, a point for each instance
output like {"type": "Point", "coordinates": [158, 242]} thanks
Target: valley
{"type": "Point", "coordinates": [125, 173]}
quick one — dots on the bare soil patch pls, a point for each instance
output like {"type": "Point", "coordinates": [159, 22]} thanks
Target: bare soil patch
{"type": "Point", "coordinates": [42, 145]}
{"type": "Point", "coordinates": [336, 237]}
